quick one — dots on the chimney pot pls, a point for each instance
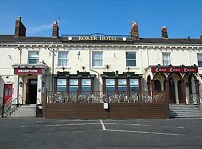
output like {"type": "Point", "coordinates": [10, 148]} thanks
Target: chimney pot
{"type": "Point", "coordinates": [164, 32]}
{"type": "Point", "coordinates": [55, 32]}
{"type": "Point", "coordinates": [134, 31]}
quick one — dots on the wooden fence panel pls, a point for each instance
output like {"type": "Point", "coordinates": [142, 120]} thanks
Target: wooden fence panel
{"type": "Point", "coordinates": [115, 111]}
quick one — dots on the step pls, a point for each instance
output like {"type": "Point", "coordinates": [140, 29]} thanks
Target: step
{"type": "Point", "coordinates": [24, 111]}
{"type": "Point", "coordinates": [185, 111]}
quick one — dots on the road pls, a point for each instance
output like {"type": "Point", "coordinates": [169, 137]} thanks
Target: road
{"type": "Point", "coordinates": [100, 134]}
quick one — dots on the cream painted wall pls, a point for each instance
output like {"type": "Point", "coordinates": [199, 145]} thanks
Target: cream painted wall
{"type": "Point", "coordinates": [114, 56]}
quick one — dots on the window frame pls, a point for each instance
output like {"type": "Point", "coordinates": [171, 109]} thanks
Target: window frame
{"type": "Point", "coordinates": [97, 60]}
{"type": "Point", "coordinates": [116, 85]}
{"type": "Point", "coordinates": [130, 59]}
{"type": "Point", "coordinates": [78, 85]}
{"type": "Point", "coordinates": [36, 59]}
{"type": "Point", "coordinates": [199, 56]}
{"type": "Point", "coordinates": [166, 61]}
{"type": "Point", "coordinates": [63, 59]}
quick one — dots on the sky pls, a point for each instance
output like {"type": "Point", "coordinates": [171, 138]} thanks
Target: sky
{"type": "Point", "coordinates": [182, 18]}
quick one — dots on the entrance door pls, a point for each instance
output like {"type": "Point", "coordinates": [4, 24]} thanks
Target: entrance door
{"type": "Point", "coordinates": [179, 91]}
{"type": "Point", "coordinates": [32, 91]}
{"type": "Point", "coordinates": [172, 91]}
{"type": "Point", "coordinates": [7, 97]}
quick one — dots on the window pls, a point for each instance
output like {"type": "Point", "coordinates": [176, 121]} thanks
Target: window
{"type": "Point", "coordinates": [61, 85]}
{"type": "Point", "coordinates": [166, 59]}
{"type": "Point", "coordinates": [73, 85]}
{"type": "Point", "coordinates": [78, 85]}
{"type": "Point", "coordinates": [86, 85]}
{"type": "Point", "coordinates": [122, 85]}
{"type": "Point", "coordinates": [134, 84]}
{"type": "Point", "coordinates": [130, 58]}
{"type": "Point", "coordinates": [199, 57]}
{"type": "Point", "coordinates": [33, 57]}
{"type": "Point", "coordinates": [97, 58]}
{"type": "Point", "coordinates": [63, 58]}
{"type": "Point", "coordinates": [110, 85]}
{"type": "Point", "coordinates": [157, 85]}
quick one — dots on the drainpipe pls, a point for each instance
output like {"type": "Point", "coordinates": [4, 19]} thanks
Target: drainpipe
{"type": "Point", "coordinates": [98, 78]}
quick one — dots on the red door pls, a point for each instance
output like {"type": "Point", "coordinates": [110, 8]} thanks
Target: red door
{"type": "Point", "coordinates": [7, 93]}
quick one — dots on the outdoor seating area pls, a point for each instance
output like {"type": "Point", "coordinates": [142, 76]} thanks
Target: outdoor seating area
{"type": "Point", "coordinates": [100, 97]}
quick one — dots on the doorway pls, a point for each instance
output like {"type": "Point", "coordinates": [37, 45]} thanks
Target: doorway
{"type": "Point", "coordinates": [7, 97]}
{"type": "Point", "coordinates": [32, 91]}
{"type": "Point", "coordinates": [172, 90]}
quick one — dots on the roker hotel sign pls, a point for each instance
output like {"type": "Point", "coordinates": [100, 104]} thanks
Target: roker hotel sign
{"type": "Point", "coordinates": [96, 38]}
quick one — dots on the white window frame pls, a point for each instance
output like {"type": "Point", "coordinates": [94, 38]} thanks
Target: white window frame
{"type": "Point", "coordinates": [63, 59]}
{"type": "Point", "coordinates": [97, 62]}
{"type": "Point", "coordinates": [199, 59]}
{"type": "Point", "coordinates": [166, 58]}
{"type": "Point", "coordinates": [33, 56]}
{"type": "Point", "coordinates": [131, 59]}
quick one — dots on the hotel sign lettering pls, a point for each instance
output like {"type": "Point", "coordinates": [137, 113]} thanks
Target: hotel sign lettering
{"type": "Point", "coordinates": [174, 69]}
{"type": "Point", "coordinates": [28, 71]}
{"type": "Point", "coordinates": [94, 38]}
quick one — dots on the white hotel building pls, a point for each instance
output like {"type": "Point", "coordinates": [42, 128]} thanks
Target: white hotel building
{"type": "Point", "coordinates": [30, 66]}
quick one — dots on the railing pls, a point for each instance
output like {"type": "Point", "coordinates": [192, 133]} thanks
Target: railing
{"type": "Point", "coordinates": [9, 107]}
{"type": "Point", "coordinates": [1, 106]}
{"type": "Point", "coordinates": [196, 100]}
{"type": "Point", "coordinates": [110, 97]}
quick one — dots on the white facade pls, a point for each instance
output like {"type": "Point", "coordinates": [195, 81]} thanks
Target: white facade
{"type": "Point", "coordinates": [147, 53]}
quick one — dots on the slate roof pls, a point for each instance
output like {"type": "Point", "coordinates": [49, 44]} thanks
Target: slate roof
{"type": "Point", "coordinates": [149, 41]}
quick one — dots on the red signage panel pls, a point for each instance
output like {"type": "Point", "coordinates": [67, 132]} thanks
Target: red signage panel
{"type": "Point", "coordinates": [27, 71]}
{"type": "Point", "coordinates": [174, 69]}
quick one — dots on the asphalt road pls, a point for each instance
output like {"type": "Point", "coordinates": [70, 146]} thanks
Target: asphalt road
{"type": "Point", "coordinates": [100, 134]}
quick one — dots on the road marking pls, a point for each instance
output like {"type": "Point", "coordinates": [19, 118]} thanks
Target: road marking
{"type": "Point", "coordinates": [58, 125]}
{"type": "Point", "coordinates": [180, 127]}
{"type": "Point", "coordinates": [103, 126]}
{"type": "Point", "coordinates": [147, 132]}
{"type": "Point", "coordinates": [139, 125]}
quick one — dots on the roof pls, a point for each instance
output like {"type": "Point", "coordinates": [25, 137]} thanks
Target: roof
{"type": "Point", "coordinates": [119, 40]}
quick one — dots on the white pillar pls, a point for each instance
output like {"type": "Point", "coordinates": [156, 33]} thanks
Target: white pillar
{"type": "Point", "coordinates": [39, 89]}
{"type": "Point", "coordinates": [15, 89]}
{"type": "Point", "coordinates": [176, 92]}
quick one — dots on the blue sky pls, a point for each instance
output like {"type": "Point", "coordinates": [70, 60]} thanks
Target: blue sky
{"type": "Point", "coordinates": [182, 18]}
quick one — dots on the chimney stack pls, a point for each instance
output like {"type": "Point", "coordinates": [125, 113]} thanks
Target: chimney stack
{"type": "Point", "coordinates": [201, 36]}
{"type": "Point", "coordinates": [134, 31]}
{"type": "Point", "coordinates": [20, 29]}
{"type": "Point", "coordinates": [164, 33]}
{"type": "Point", "coordinates": [55, 33]}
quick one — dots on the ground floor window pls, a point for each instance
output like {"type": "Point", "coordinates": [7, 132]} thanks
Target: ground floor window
{"type": "Point", "coordinates": [120, 85]}
{"type": "Point", "coordinates": [74, 85]}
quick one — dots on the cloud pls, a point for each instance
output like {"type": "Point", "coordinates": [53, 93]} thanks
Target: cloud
{"type": "Point", "coordinates": [39, 29]}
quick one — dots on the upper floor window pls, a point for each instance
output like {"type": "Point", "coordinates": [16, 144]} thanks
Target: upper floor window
{"type": "Point", "coordinates": [199, 57]}
{"type": "Point", "coordinates": [130, 58]}
{"type": "Point", "coordinates": [33, 57]}
{"type": "Point", "coordinates": [63, 58]}
{"type": "Point", "coordinates": [97, 58]}
{"type": "Point", "coordinates": [166, 59]}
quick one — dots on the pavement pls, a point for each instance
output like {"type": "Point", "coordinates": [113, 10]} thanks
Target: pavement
{"type": "Point", "coordinates": [39, 133]}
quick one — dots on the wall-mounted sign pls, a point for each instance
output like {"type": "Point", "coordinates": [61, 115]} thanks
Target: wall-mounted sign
{"type": "Point", "coordinates": [96, 38]}
{"type": "Point", "coordinates": [27, 71]}
{"type": "Point", "coordinates": [174, 69]}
